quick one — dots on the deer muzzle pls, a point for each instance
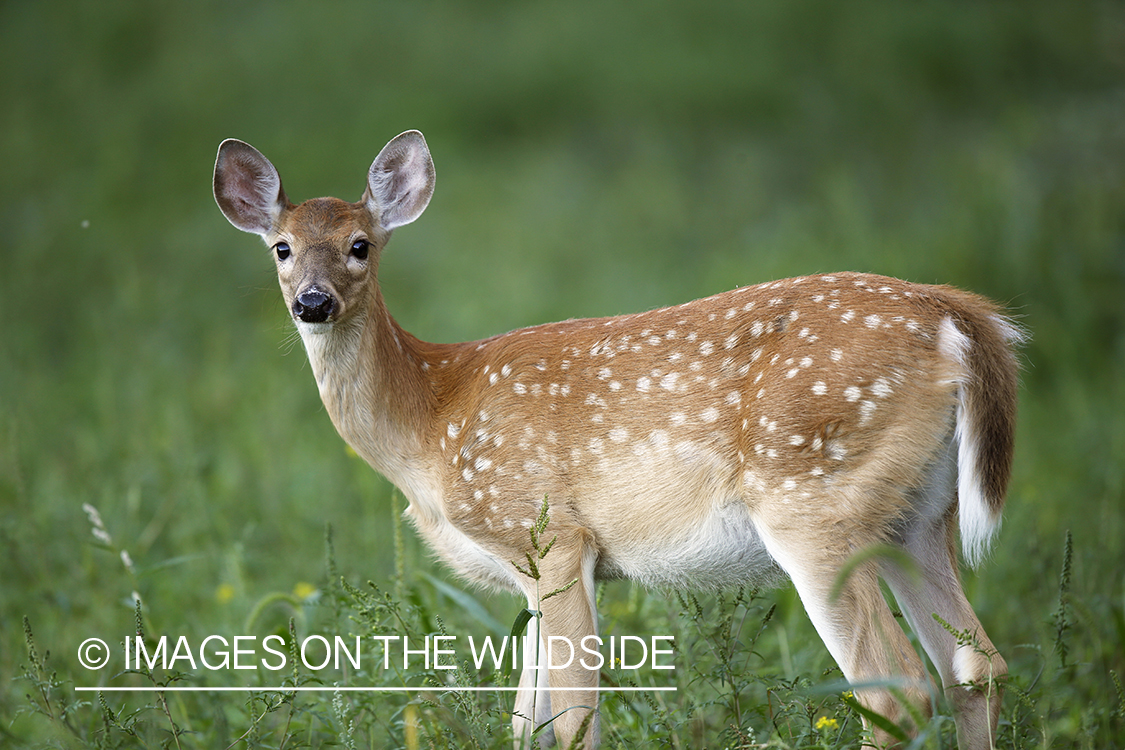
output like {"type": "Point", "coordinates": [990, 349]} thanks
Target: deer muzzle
{"type": "Point", "coordinates": [314, 305]}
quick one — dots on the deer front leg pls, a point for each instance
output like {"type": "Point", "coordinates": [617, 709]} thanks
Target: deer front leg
{"type": "Point", "coordinates": [533, 699]}
{"type": "Point", "coordinates": [568, 616]}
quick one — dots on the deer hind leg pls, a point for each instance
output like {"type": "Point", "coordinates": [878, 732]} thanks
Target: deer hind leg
{"type": "Point", "coordinates": [568, 617]}
{"type": "Point", "coordinates": [970, 671]}
{"type": "Point", "coordinates": [852, 618]}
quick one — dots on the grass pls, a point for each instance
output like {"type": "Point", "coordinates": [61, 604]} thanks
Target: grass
{"type": "Point", "coordinates": [591, 161]}
{"type": "Point", "coordinates": [735, 679]}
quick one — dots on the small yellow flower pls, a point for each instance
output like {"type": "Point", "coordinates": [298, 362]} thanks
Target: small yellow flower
{"type": "Point", "coordinates": [847, 695]}
{"type": "Point", "coordinates": [303, 590]}
{"type": "Point", "coordinates": [824, 723]}
{"type": "Point", "coordinates": [224, 593]}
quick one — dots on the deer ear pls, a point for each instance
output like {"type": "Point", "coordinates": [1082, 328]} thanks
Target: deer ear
{"type": "Point", "coordinates": [247, 187]}
{"type": "Point", "coordinates": [400, 181]}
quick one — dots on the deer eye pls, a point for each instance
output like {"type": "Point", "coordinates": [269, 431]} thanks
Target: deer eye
{"type": "Point", "coordinates": [282, 250]}
{"type": "Point", "coordinates": [360, 248]}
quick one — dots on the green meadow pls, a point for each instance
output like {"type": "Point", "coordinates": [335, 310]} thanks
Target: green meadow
{"type": "Point", "coordinates": [167, 469]}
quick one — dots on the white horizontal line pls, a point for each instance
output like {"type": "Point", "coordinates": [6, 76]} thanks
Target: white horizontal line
{"type": "Point", "coordinates": [347, 689]}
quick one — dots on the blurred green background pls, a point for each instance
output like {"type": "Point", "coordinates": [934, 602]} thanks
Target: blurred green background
{"type": "Point", "coordinates": [593, 158]}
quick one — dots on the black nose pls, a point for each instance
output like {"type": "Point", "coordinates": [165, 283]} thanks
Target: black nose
{"type": "Point", "coordinates": [314, 305]}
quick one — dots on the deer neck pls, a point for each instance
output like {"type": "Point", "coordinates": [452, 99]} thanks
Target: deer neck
{"type": "Point", "coordinates": [369, 372]}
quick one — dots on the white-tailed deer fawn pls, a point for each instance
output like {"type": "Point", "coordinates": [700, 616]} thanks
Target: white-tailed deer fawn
{"type": "Point", "coordinates": [780, 428]}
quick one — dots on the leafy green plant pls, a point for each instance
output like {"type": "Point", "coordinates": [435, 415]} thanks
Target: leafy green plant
{"type": "Point", "coordinates": [730, 689]}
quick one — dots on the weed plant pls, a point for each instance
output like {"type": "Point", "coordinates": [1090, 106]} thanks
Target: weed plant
{"type": "Point", "coordinates": [732, 665]}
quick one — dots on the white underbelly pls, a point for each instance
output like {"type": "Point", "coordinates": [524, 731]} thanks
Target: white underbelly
{"type": "Point", "coordinates": [721, 552]}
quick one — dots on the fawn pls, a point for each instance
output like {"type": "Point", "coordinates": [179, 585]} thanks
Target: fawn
{"type": "Point", "coordinates": [775, 430]}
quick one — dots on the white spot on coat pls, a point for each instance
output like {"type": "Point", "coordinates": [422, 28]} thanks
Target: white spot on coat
{"type": "Point", "coordinates": [594, 399]}
{"type": "Point", "coordinates": [881, 388]}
